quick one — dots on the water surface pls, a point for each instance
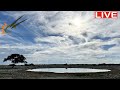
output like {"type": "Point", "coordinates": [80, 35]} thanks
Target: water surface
{"type": "Point", "coordinates": [69, 70]}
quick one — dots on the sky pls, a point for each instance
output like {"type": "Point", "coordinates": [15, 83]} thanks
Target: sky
{"type": "Point", "coordinates": [59, 37]}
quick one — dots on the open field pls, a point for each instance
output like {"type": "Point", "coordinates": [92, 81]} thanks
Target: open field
{"type": "Point", "coordinates": [19, 72]}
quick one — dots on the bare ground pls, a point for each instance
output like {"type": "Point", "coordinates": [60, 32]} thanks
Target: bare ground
{"type": "Point", "coordinates": [19, 72]}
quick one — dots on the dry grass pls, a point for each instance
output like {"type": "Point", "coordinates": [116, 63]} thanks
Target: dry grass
{"type": "Point", "coordinates": [19, 72]}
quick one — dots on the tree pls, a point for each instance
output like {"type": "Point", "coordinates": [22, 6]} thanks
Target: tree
{"type": "Point", "coordinates": [15, 58]}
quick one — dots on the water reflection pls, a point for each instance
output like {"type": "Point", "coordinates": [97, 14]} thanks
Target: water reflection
{"type": "Point", "coordinates": [69, 70]}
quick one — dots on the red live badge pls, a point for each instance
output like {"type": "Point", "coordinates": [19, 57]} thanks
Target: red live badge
{"type": "Point", "coordinates": [106, 14]}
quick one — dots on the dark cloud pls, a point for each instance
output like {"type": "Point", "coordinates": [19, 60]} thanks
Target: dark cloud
{"type": "Point", "coordinates": [85, 34]}
{"type": "Point", "coordinates": [107, 47]}
{"type": "Point", "coordinates": [101, 38]}
{"type": "Point", "coordinates": [76, 40]}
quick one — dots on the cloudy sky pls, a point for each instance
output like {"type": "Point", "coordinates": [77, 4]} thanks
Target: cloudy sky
{"type": "Point", "coordinates": [58, 37]}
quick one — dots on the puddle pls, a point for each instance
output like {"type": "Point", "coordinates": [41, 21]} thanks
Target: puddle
{"type": "Point", "coordinates": [69, 70]}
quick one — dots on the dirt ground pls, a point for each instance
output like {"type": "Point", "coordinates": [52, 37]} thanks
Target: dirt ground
{"type": "Point", "coordinates": [19, 72]}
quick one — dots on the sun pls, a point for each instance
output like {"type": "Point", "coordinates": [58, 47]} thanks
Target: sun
{"type": "Point", "coordinates": [77, 26]}
{"type": "Point", "coordinates": [78, 22]}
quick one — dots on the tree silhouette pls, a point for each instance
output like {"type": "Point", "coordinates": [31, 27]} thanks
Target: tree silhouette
{"type": "Point", "coordinates": [15, 58]}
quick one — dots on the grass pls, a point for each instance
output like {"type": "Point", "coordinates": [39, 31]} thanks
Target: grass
{"type": "Point", "coordinates": [19, 72]}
